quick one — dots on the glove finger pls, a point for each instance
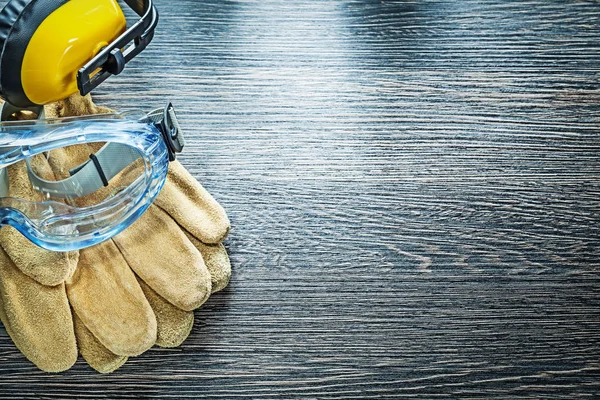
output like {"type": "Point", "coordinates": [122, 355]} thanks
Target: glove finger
{"type": "Point", "coordinates": [217, 262]}
{"type": "Point", "coordinates": [93, 352]}
{"type": "Point", "coordinates": [47, 267]}
{"type": "Point", "coordinates": [188, 203]}
{"type": "Point", "coordinates": [173, 324]}
{"type": "Point", "coordinates": [163, 257]}
{"type": "Point", "coordinates": [155, 237]}
{"type": "Point", "coordinates": [37, 318]}
{"type": "Point", "coordinates": [105, 294]}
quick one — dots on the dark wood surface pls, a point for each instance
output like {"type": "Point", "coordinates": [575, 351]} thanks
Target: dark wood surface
{"type": "Point", "coordinates": [414, 189]}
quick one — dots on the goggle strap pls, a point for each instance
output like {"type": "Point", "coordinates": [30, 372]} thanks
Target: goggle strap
{"type": "Point", "coordinates": [90, 176]}
{"type": "Point", "coordinates": [4, 184]}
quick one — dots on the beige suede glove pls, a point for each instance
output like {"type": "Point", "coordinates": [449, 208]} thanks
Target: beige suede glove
{"type": "Point", "coordinates": [116, 299]}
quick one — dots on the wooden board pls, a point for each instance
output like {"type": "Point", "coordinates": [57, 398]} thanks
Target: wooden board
{"type": "Point", "coordinates": [414, 188]}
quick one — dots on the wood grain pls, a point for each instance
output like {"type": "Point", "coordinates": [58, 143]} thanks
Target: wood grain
{"type": "Point", "coordinates": [414, 191]}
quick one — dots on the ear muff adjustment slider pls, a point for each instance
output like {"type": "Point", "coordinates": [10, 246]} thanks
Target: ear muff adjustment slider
{"type": "Point", "coordinates": [112, 59]}
{"type": "Point", "coordinates": [116, 62]}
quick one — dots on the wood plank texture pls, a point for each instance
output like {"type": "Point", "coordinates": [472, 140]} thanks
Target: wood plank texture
{"type": "Point", "coordinates": [414, 188]}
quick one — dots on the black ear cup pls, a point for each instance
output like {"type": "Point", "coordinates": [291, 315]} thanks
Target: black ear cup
{"type": "Point", "coordinates": [19, 20]}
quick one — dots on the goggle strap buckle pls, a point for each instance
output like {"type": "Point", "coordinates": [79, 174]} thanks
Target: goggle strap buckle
{"type": "Point", "coordinates": [165, 120]}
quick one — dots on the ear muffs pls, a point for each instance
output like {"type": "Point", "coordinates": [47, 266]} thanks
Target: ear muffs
{"type": "Point", "coordinates": [43, 44]}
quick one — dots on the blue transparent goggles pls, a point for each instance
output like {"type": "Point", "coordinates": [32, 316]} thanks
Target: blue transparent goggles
{"type": "Point", "coordinates": [58, 223]}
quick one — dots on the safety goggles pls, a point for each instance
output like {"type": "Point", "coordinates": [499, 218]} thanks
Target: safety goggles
{"type": "Point", "coordinates": [138, 148]}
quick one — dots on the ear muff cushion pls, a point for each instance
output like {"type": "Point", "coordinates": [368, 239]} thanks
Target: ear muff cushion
{"type": "Point", "coordinates": [8, 16]}
{"type": "Point", "coordinates": [18, 22]}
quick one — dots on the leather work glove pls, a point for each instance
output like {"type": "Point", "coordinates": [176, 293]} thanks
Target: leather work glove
{"type": "Point", "coordinates": [119, 298]}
